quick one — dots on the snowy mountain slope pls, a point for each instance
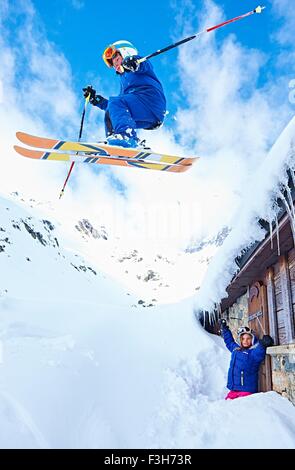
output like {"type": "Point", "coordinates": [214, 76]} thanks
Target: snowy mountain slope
{"type": "Point", "coordinates": [154, 277]}
{"type": "Point", "coordinates": [25, 241]}
{"type": "Point", "coordinates": [81, 366]}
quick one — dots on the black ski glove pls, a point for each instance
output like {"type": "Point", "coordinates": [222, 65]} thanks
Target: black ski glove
{"type": "Point", "coordinates": [266, 341]}
{"type": "Point", "coordinates": [223, 324]}
{"type": "Point", "coordinates": [94, 99]}
{"type": "Point", "coordinates": [131, 64]}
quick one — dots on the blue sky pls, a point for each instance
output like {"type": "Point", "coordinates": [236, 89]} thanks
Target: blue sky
{"type": "Point", "coordinates": [80, 29]}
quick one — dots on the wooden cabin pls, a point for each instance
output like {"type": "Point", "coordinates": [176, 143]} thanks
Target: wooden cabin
{"type": "Point", "coordinates": [262, 296]}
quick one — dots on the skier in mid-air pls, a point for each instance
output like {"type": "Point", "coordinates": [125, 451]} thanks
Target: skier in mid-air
{"type": "Point", "coordinates": [141, 103]}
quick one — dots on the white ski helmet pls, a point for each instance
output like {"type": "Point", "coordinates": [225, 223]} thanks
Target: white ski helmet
{"type": "Point", "coordinates": [245, 330]}
{"type": "Point", "coordinates": [125, 48]}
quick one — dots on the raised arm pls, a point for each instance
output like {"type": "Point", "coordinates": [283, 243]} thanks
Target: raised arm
{"type": "Point", "coordinates": [229, 340]}
{"type": "Point", "coordinates": [227, 336]}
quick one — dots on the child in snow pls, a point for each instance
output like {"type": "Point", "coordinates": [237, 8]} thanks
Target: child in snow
{"type": "Point", "coordinates": [141, 103]}
{"type": "Point", "coordinates": [245, 360]}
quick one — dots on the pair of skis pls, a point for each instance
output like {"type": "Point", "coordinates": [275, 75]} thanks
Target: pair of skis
{"type": "Point", "coordinates": [101, 154]}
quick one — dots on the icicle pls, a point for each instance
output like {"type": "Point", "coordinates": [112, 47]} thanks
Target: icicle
{"type": "Point", "coordinates": [219, 312]}
{"type": "Point", "coordinates": [216, 314]}
{"type": "Point", "coordinates": [291, 203]}
{"type": "Point", "coordinates": [270, 222]}
{"type": "Point", "coordinates": [271, 234]}
{"type": "Point", "coordinates": [278, 236]}
{"type": "Point", "coordinates": [292, 176]}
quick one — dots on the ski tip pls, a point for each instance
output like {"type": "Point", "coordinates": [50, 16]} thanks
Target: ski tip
{"type": "Point", "coordinates": [25, 152]}
{"type": "Point", "coordinates": [18, 149]}
{"type": "Point", "coordinates": [19, 134]}
{"type": "Point", "coordinates": [23, 136]}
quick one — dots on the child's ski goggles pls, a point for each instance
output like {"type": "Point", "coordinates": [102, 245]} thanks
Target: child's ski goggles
{"type": "Point", "coordinates": [244, 329]}
{"type": "Point", "coordinates": [109, 54]}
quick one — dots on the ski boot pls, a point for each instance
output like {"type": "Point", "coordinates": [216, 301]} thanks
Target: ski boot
{"type": "Point", "coordinates": [126, 139]}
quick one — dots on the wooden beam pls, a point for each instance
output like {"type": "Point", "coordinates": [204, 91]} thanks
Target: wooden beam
{"type": "Point", "coordinates": [271, 301]}
{"type": "Point", "coordinates": [286, 299]}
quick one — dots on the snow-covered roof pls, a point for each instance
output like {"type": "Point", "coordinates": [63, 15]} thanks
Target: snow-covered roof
{"type": "Point", "coordinates": [268, 183]}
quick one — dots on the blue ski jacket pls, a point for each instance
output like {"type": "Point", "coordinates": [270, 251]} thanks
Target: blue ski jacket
{"type": "Point", "coordinates": [244, 364]}
{"type": "Point", "coordinates": [145, 85]}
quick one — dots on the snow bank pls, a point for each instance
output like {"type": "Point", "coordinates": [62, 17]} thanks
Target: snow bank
{"type": "Point", "coordinates": [260, 421]}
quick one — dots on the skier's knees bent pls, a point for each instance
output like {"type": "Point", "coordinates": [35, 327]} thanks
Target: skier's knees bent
{"type": "Point", "coordinates": [116, 102]}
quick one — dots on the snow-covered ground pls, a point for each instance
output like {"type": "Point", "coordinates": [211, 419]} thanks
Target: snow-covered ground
{"type": "Point", "coordinates": [83, 364]}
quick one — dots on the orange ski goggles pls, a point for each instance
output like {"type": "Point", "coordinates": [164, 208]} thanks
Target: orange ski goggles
{"type": "Point", "coordinates": [109, 54]}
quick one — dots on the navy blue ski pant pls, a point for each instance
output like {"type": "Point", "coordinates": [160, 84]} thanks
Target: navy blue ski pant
{"type": "Point", "coordinates": [128, 112]}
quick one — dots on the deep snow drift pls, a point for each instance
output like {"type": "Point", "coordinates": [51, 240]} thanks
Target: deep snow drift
{"type": "Point", "coordinates": [84, 365]}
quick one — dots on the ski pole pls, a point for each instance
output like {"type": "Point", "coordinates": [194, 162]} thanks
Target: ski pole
{"type": "Point", "coordinates": [263, 330]}
{"type": "Point", "coordinates": [258, 9]}
{"type": "Point", "coordinates": [79, 138]}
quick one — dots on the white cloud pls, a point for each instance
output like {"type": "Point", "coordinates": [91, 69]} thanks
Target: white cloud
{"type": "Point", "coordinates": [36, 97]}
{"type": "Point", "coordinates": [229, 120]}
{"type": "Point", "coordinates": [284, 10]}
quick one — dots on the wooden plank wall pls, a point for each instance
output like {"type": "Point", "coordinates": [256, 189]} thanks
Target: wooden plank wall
{"type": "Point", "coordinates": [284, 296]}
{"type": "Point", "coordinates": [291, 262]}
{"type": "Point", "coordinates": [279, 305]}
{"type": "Point", "coordinates": [271, 300]}
{"type": "Point", "coordinates": [291, 268]}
